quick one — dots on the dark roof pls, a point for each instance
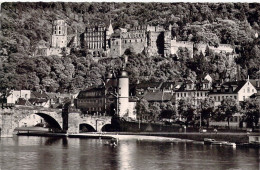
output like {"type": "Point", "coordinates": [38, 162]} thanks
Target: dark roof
{"type": "Point", "coordinates": [36, 94]}
{"type": "Point", "coordinates": [23, 102]}
{"type": "Point", "coordinates": [35, 100]}
{"type": "Point", "coordinates": [91, 89]}
{"type": "Point", "coordinates": [147, 85]}
{"type": "Point", "coordinates": [237, 84]}
{"type": "Point", "coordinates": [157, 96]}
{"type": "Point", "coordinates": [167, 85]}
{"type": "Point", "coordinates": [197, 87]}
{"type": "Point", "coordinates": [115, 35]}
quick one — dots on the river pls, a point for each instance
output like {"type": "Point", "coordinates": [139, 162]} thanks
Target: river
{"type": "Point", "coordinates": [49, 153]}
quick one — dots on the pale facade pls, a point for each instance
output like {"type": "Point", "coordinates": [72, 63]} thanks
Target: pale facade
{"type": "Point", "coordinates": [238, 90]}
{"type": "Point", "coordinates": [16, 94]}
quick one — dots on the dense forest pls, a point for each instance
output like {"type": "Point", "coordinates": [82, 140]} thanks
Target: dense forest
{"type": "Point", "coordinates": [23, 25]}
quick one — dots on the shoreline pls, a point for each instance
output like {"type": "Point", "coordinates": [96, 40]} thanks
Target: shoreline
{"type": "Point", "coordinates": [238, 138]}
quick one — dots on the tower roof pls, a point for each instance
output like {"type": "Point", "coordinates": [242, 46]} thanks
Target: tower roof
{"type": "Point", "coordinates": [123, 74]}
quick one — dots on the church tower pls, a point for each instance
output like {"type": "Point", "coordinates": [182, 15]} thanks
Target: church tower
{"type": "Point", "coordinates": [59, 34]}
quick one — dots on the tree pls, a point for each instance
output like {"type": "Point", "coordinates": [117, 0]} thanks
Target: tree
{"type": "Point", "coordinates": [207, 109]}
{"type": "Point", "coordinates": [142, 108]}
{"type": "Point", "coordinates": [155, 110]}
{"type": "Point", "coordinates": [251, 111]}
{"type": "Point", "coordinates": [168, 110]}
{"type": "Point", "coordinates": [186, 110]}
{"type": "Point", "coordinates": [227, 109]}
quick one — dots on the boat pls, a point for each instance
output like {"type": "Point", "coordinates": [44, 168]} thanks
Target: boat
{"type": "Point", "coordinates": [230, 144]}
{"type": "Point", "coordinates": [208, 141]}
{"type": "Point", "coordinates": [217, 143]}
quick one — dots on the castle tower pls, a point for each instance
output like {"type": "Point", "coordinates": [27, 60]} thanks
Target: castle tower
{"type": "Point", "coordinates": [109, 32]}
{"type": "Point", "coordinates": [59, 34]}
{"type": "Point", "coordinates": [167, 43]}
{"type": "Point", "coordinates": [123, 93]}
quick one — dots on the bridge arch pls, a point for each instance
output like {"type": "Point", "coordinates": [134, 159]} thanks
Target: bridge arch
{"type": "Point", "coordinates": [84, 127]}
{"type": "Point", "coordinates": [107, 128]}
{"type": "Point", "coordinates": [54, 124]}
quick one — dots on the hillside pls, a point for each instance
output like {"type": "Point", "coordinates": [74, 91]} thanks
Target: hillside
{"type": "Point", "coordinates": [23, 25]}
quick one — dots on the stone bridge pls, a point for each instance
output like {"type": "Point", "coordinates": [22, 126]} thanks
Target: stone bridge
{"type": "Point", "coordinates": [94, 122]}
{"type": "Point", "coordinates": [10, 118]}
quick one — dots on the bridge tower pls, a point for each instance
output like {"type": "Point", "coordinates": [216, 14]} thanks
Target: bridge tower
{"type": "Point", "coordinates": [59, 34]}
{"type": "Point", "coordinates": [123, 93]}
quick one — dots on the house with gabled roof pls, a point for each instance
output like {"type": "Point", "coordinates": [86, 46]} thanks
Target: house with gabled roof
{"type": "Point", "coordinates": [239, 90]}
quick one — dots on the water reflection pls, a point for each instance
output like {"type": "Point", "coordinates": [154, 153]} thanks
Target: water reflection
{"type": "Point", "coordinates": [62, 153]}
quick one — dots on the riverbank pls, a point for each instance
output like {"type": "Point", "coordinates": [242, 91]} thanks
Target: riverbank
{"type": "Point", "coordinates": [196, 136]}
{"type": "Point", "coordinates": [237, 138]}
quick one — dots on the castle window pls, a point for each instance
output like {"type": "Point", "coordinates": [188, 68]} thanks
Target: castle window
{"type": "Point", "coordinates": [129, 40]}
{"type": "Point", "coordinates": [135, 40]}
{"type": "Point", "coordinates": [248, 90]}
{"type": "Point", "coordinates": [59, 32]}
{"type": "Point", "coordinates": [55, 32]}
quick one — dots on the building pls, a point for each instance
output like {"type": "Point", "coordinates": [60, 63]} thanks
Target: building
{"type": "Point", "coordinates": [110, 99]}
{"type": "Point", "coordinates": [59, 34]}
{"type": "Point", "coordinates": [96, 39]}
{"type": "Point", "coordinates": [16, 94]}
{"type": "Point", "coordinates": [60, 41]}
{"type": "Point", "coordinates": [92, 101]}
{"type": "Point", "coordinates": [101, 40]}
{"type": "Point", "coordinates": [238, 90]}
{"type": "Point", "coordinates": [196, 92]}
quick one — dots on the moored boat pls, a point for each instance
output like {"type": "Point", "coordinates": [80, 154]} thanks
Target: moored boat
{"type": "Point", "coordinates": [208, 141]}
{"type": "Point", "coordinates": [230, 144]}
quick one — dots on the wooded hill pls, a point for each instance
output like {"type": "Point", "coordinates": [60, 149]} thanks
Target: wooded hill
{"type": "Point", "coordinates": [23, 25]}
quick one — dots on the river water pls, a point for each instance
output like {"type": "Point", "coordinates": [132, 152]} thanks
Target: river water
{"type": "Point", "coordinates": [47, 153]}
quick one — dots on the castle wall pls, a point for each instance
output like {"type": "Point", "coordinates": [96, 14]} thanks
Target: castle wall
{"type": "Point", "coordinates": [176, 45]}
{"type": "Point", "coordinates": [115, 50]}
{"type": "Point", "coordinates": [135, 40]}
{"type": "Point", "coordinates": [59, 41]}
{"type": "Point", "coordinates": [167, 43]}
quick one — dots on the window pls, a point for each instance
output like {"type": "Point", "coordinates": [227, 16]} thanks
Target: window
{"type": "Point", "coordinates": [253, 90]}
{"type": "Point", "coordinates": [215, 98]}
{"type": "Point", "coordinates": [178, 95]}
{"type": "Point", "coordinates": [218, 98]}
{"type": "Point", "coordinates": [244, 97]}
{"type": "Point", "coordinates": [235, 97]}
{"type": "Point", "coordinates": [248, 90]}
{"type": "Point", "coordinates": [181, 94]}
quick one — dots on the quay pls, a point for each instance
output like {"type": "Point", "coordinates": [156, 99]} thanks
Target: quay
{"type": "Point", "coordinates": [238, 138]}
